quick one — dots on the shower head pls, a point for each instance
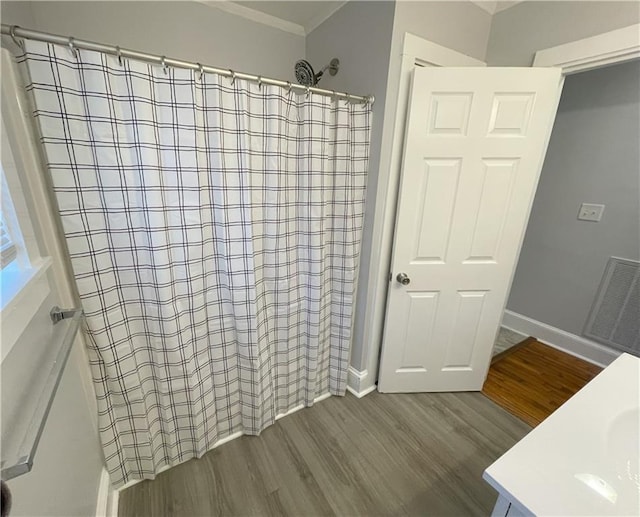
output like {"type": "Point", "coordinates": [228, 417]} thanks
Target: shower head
{"type": "Point", "coordinates": [307, 77]}
{"type": "Point", "coordinates": [304, 73]}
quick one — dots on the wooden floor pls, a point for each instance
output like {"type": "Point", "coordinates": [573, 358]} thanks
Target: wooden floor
{"type": "Point", "coordinates": [418, 454]}
{"type": "Point", "coordinates": [532, 380]}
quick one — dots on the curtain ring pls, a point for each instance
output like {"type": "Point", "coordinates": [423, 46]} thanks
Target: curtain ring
{"type": "Point", "coordinates": [233, 77]}
{"type": "Point", "coordinates": [119, 54]}
{"type": "Point", "coordinates": [288, 86]}
{"type": "Point", "coordinates": [259, 82]}
{"type": "Point", "coordinates": [163, 62]}
{"type": "Point", "coordinates": [308, 92]}
{"type": "Point", "coordinates": [13, 37]}
{"type": "Point", "coordinates": [334, 95]}
{"type": "Point", "coordinates": [348, 98]}
{"type": "Point", "coordinates": [201, 70]}
{"type": "Point", "coordinates": [72, 48]}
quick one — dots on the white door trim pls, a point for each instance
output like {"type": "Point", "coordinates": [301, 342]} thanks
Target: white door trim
{"type": "Point", "coordinates": [605, 49]}
{"type": "Point", "coordinates": [415, 51]}
{"type": "Point", "coordinates": [585, 54]}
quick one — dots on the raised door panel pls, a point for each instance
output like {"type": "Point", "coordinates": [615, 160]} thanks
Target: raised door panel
{"type": "Point", "coordinates": [475, 142]}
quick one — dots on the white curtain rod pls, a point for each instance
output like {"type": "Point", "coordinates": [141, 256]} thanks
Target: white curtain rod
{"type": "Point", "coordinates": [16, 32]}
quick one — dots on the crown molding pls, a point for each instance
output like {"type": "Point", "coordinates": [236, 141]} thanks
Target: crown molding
{"type": "Point", "coordinates": [503, 6]}
{"type": "Point", "coordinates": [256, 16]}
{"type": "Point", "coordinates": [486, 5]}
{"type": "Point", "coordinates": [494, 7]}
{"type": "Point", "coordinates": [490, 6]}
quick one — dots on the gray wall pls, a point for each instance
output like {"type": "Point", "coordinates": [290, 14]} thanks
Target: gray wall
{"type": "Point", "coordinates": [593, 157]}
{"type": "Point", "coordinates": [461, 26]}
{"type": "Point", "coordinates": [518, 32]}
{"type": "Point", "coordinates": [367, 37]}
{"type": "Point", "coordinates": [186, 30]}
{"type": "Point", "coordinates": [359, 34]}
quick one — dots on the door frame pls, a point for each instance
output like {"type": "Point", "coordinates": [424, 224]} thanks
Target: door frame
{"type": "Point", "coordinates": [598, 51]}
{"type": "Point", "coordinates": [609, 48]}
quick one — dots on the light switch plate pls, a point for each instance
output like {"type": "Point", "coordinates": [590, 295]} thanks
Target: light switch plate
{"type": "Point", "coordinates": [590, 212]}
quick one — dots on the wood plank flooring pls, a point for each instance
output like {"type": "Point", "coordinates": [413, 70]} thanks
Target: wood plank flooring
{"type": "Point", "coordinates": [532, 380]}
{"type": "Point", "coordinates": [407, 454]}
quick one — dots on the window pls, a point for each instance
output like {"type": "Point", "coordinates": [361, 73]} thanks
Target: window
{"type": "Point", "coordinates": [24, 282]}
{"type": "Point", "coordinates": [16, 267]}
{"type": "Point", "coordinates": [11, 242]}
{"type": "Point", "coordinates": [8, 252]}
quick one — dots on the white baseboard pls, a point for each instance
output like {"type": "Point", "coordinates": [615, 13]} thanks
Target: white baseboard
{"type": "Point", "coordinates": [297, 408]}
{"type": "Point", "coordinates": [362, 393]}
{"type": "Point", "coordinates": [107, 504]}
{"type": "Point", "coordinates": [113, 503]}
{"type": "Point", "coordinates": [562, 340]}
{"type": "Point", "coordinates": [358, 382]}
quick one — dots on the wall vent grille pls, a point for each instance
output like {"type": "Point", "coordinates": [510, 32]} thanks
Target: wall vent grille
{"type": "Point", "coordinates": [615, 316]}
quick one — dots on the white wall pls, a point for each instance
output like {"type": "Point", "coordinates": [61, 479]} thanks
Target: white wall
{"type": "Point", "coordinates": [593, 157]}
{"type": "Point", "coordinates": [518, 32]}
{"type": "Point", "coordinates": [184, 30]}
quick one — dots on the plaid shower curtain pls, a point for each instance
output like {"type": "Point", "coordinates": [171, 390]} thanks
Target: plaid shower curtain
{"type": "Point", "coordinates": [214, 233]}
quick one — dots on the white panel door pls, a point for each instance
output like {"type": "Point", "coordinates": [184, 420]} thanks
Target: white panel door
{"type": "Point", "coordinates": [474, 146]}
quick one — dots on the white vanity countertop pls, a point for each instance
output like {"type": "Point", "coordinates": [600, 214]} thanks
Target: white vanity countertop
{"type": "Point", "coordinates": [584, 458]}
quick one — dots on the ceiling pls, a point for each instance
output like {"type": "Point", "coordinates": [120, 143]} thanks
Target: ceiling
{"type": "Point", "coordinates": [302, 16]}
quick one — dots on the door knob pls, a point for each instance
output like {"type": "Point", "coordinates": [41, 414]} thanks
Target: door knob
{"type": "Point", "coordinates": [403, 278]}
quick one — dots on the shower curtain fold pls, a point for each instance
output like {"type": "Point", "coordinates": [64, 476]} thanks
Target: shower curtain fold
{"type": "Point", "coordinates": [214, 232]}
